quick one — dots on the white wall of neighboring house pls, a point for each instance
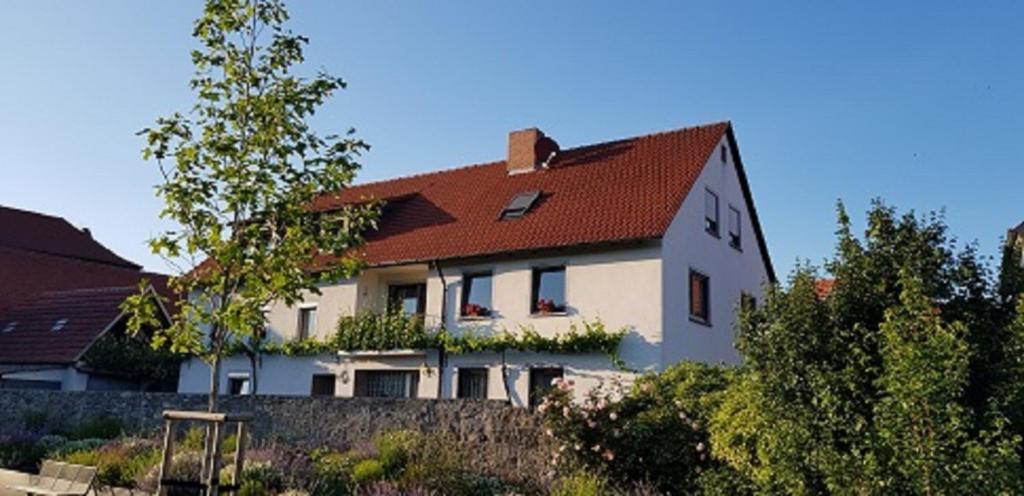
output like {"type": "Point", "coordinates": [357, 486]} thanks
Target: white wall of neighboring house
{"type": "Point", "coordinates": [69, 378]}
{"type": "Point", "coordinates": [687, 245]}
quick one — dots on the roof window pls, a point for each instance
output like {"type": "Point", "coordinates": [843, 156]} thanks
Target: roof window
{"type": "Point", "coordinates": [520, 204]}
{"type": "Point", "coordinates": [59, 324]}
{"type": "Point", "coordinates": [10, 326]}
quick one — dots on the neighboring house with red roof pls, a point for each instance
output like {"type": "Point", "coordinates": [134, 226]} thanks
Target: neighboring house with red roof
{"type": "Point", "coordinates": [61, 291]}
{"type": "Point", "coordinates": [657, 234]}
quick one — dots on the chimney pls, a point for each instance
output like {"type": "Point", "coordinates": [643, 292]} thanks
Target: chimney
{"type": "Point", "coordinates": [529, 150]}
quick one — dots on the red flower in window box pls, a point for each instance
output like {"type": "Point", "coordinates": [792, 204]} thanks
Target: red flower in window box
{"type": "Point", "coordinates": [547, 306]}
{"type": "Point", "coordinates": [474, 310]}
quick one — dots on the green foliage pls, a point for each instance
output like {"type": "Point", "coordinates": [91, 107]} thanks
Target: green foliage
{"type": "Point", "coordinates": [396, 330]}
{"type": "Point", "coordinates": [886, 385]}
{"type": "Point", "coordinates": [594, 338]}
{"type": "Point", "coordinates": [654, 432]}
{"type": "Point", "coordinates": [133, 356]}
{"type": "Point", "coordinates": [581, 484]}
{"type": "Point", "coordinates": [331, 473]}
{"type": "Point", "coordinates": [394, 449]}
{"type": "Point", "coordinates": [367, 471]}
{"type": "Point", "coordinates": [252, 488]}
{"type": "Point", "coordinates": [380, 331]}
{"type": "Point", "coordinates": [241, 172]}
{"type": "Point", "coordinates": [118, 463]}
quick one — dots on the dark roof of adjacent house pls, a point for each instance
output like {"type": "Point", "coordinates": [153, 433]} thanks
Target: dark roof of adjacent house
{"type": "Point", "coordinates": [56, 327]}
{"type": "Point", "coordinates": [53, 271]}
{"type": "Point", "coordinates": [619, 191]}
{"type": "Point", "coordinates": [46, 234]}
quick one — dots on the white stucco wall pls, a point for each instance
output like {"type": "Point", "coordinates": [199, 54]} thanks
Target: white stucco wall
{"type": "Point", "coordinates": [687, 245]}
{"type": "Point", "coordinates": [621, 287]}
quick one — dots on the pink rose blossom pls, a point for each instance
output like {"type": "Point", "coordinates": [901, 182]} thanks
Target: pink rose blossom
{"type": "Point", "coordinates": [608, 455]}
{"type": "Point", "coordinates": [613, 416]}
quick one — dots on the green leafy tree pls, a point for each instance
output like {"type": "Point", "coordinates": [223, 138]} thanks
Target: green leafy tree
{"type": "Point", "coordinates": [881, 385]}
{"type": "Point", "coordinates": [240, 174]}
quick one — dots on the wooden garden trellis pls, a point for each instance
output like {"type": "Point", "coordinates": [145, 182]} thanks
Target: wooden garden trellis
{"type": "Point", "coordinates": [209, 482]}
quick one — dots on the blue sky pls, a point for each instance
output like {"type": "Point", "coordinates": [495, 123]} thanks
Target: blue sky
{"type": "Point", "coordinates": [921, 107]}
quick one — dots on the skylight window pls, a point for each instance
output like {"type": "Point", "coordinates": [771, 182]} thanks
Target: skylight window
{"type": "Point", "coordinates": [10, 326]}
{"type": "Point", "coordinates": [59, 324]}
{"type": "Point", "coordinates": [519, 205]}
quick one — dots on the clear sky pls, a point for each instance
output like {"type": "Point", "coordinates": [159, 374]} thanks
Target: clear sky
{"type": "Point", "coordinates": [920, 103]}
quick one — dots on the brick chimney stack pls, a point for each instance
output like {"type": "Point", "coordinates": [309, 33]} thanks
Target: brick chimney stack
{"type": "Point", "coordinates": [529, 150]}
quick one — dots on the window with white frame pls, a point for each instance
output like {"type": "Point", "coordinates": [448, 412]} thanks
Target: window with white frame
{"type": "Point", "coordinates": [711, 212]}
{"type": "Point", "coordinates": [307, 321]}
{"type": "Point", "coordinates": [735, 224]}
{"type": "Point", "coordinates": [239, 384]}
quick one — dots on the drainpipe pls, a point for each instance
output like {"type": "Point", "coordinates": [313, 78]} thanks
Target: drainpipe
{"type": "Point", "coordinates": [444, 311]}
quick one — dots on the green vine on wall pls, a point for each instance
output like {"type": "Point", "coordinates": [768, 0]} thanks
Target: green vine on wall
{"type": "Point", "coordinates": [395, 331]}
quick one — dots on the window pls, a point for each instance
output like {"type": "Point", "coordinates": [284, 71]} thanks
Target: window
{"type": "Point", "coordinates": [548, 290]}
{"type": "Point", "coordinates": [541, 380]}
{"type": "Point", "coordinates": [59, 324]}
{"type": "Point", "coordinates": [307, 322]}
{"type": "Point", "coordinates": [387, 383]}
{"type": "Point", "coordinates": [476, 295]}
{"type": "Point", "coordinates": [409, 298]}
{"type": "Point", "coordinates": [711, 212]}
{"type": "Point", "coordinates": [473, 383]}
{"type": "Point", "coordinates": [10, 326]}
{"type": "Point", "coordinates": [519, 205]}
{"type": "Point", "coordinates": [323, 385]}
{"type": "Point", "coordinates": [238, 384]}
{"type": "Point", "coordinates": [723, 154]}
{"type": "Point", "coordinates": [734, 227]}
{"type": "Point", "coordinates": [700, 308]}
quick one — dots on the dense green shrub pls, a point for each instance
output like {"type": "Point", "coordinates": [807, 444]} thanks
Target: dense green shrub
{"type": "Point", "coordinates": [581, 484]}
{"type": "Point", "coordinates": [654, 432]}
{"type": "Point", "coordinates": [98, 427]}
{"type": "Point", "coordinates": [118, 463]}
{"type": "Point", "coordinates": [367, 471]}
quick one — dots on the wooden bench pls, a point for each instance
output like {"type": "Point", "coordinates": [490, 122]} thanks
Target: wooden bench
{"type": "Point", "coordinates": [54, 479]}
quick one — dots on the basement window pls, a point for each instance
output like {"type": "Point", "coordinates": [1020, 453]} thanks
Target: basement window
{"type": "Point", "coordinates": [473, 383]}
{"type": "Point", "coordinates": [519, 205]}
{"type": "Point", "coordinates": [323, 385]}
{"type": "Point", "coordinates": [238, 384]}
{"type": "Point", "coordinates": [542, 381]}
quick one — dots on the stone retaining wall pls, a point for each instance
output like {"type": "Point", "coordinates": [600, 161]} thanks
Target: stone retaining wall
{"type": "Point", "coordinates": [495, 437]}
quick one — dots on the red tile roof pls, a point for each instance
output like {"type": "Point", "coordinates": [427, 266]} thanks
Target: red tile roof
{"type": "Point", "coordinates": [51, 270]}
{"type": "Point", "coordinates": [32, 339]}
{"type": "Point", "coordinates": [35, 232]}
{"type": "Point", "coordinates": [611, 192]}
{"type": "Point", "coordinates": [823, 287]}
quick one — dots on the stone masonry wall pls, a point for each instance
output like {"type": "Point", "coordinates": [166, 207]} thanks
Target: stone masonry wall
{"type": "Point", "coordinates": [495, 437]}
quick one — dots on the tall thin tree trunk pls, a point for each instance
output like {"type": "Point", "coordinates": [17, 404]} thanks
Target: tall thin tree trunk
{"type": "Point", "coordinates": [253, 379]}
{"type": "Point", "coordinates": [214, 384]}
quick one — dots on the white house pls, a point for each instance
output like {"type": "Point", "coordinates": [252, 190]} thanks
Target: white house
{"type": "Point", "coordinates": [657, 234]}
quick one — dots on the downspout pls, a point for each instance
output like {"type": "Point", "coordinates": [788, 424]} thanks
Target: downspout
{"type": "Point", "coordinates": [440, 348]}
